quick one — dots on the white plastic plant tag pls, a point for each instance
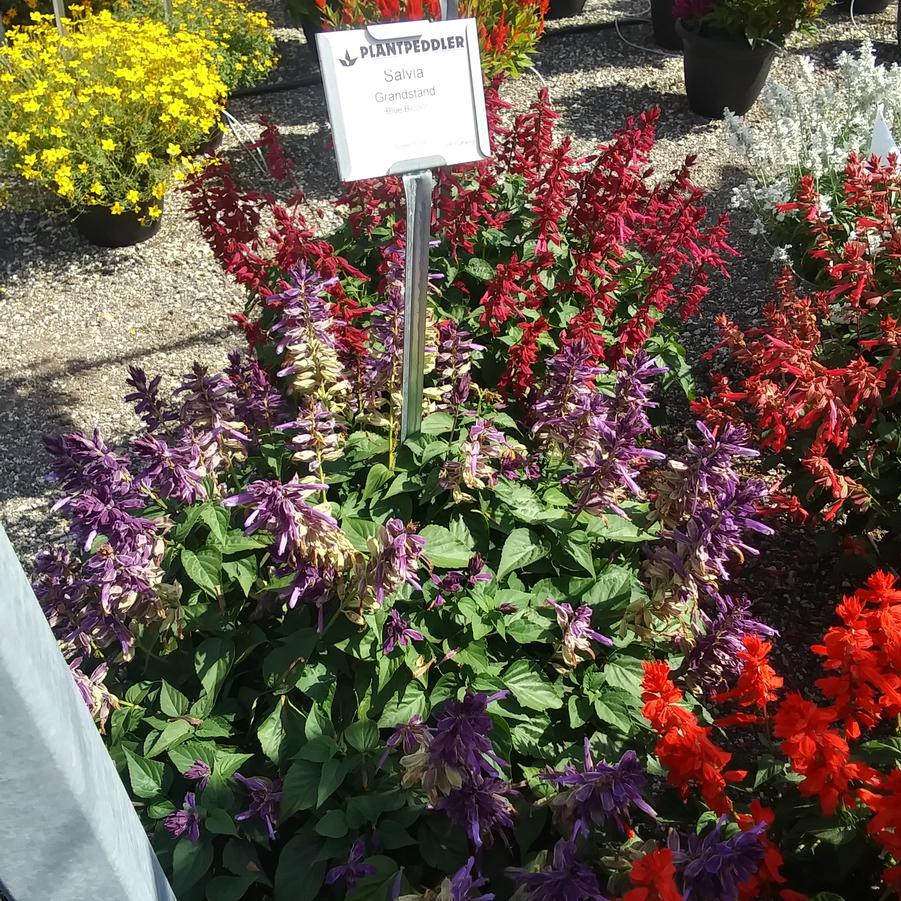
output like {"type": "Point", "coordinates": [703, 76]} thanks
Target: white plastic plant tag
{"type": "Point", "coordinates": [883, 143]}
{"type": "Point", "coordinates": [404, 97]}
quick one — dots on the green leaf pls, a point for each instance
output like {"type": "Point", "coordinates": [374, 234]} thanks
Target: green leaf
{"type": "Point", "coordinates": [437, 424]}
{"type": "Point", "coordinates": [318, 749]}
{"type": "Point", "coordinates": [191, 518]}
{"type": "Point", "coordinates": [243, 571]}
{"type": "Point", "coordinates": [481, 269]}
{"type": "Point", "coordinates": [578, 552]}
{"type": "Point", "coordinates": [611, 527]}
{"type": "Point", "coordinates": [271, 733]}
{"type": "Point", "coordinates": [393, 836]}
{"type": "Point", "coordinates": [528, 684]}
{"type": "Point", "coordinates": [174, 733]}
{"type": "Point", "coordinates": [236, 542]}
{"type": "Point", "coordinates": [404, 706]}
{"type": "Point", "coordinates": [332, 775]}
{"type": "Point", "coordinates": [219, 822]}
{"type": "Point", "coordinates": [172, 701]}
{"type": "Point", "coordinates": [624, 673]}
{"type": "Point", "coordinates": [190, 861]}
{"type": "Point", "coordinates": [529, 737]}
{"type": "Point", "coordinates": [146, 776]}
{"type": "Point", "coordinates": [187, 754]}
{"type": "Point", "coordinates": [521, 548]}
{"type": "Point", "coordinates": [299, 874]}
{"type": "Point", "coordinates": [229, 888]}
{"type": "Point", "coordinates": [521, 500]}
{"type": "Point", "coordinates": [362, 735]}
{"type": "Point", "coordinates": [212, 662]}
{"type": "Point", "coordinates": [227, 763]}
{"type": "Point", "coordinates": [614, 713]}
{"type": "Point", "coordinates": [444, 549]}
{"type": "Point", "coordinates": [358, 531]}
{"type": "Point", "coordinates": [333, 824]}
{"type": "Point", "coordinates": [217, 518]}
{"type": "Point", "coordinates": [378, 475]}
{"type": "Point", "coordinates": [300, 787]}
{"type": "Point", "coordinates": [203, 568]}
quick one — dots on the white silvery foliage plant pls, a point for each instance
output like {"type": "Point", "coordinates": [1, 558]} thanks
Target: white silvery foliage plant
{"type": "Point", "coordinates": [807, 122]}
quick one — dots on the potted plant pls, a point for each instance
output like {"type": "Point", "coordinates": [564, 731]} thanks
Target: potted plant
{"type": "Point", "coordinates": [862, 7]}
{"type": "Point", "coordinates": [243, 38]}
{"type": "Point", "coordinates": [663, 22]}
{"type": "Point", "coordinates": [729, 47]}
{"type": "Point", "coordinates": [104, 117]}
{"type": "Point", "coordinates": [564, 9]}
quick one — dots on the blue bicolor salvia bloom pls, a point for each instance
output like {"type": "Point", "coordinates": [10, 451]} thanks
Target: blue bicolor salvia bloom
{"type": "Point", "coordinates": [609, 431]}
{"type": "Point", "coordinates": [258, 403]}
{"type": "Point", "coordinates": [712, 663]}
{"type": "Point", "coordinates": [707, 511]}
{"type": "Point", "coordinates": [481, 806]}
{"type": "Point", "coordinates": [567, 879]}
{"type": "Point", "coordinates": [315, 437]}
{"type": "Point", "coordinates": [265, 797]}
{"type": "Point", "coordinates": [145, 397]}
{"type": "Point", "coordinates": [600, 793]}
{"type": "Point", "coordinates": [199, 772]}
{"type": "Point", "coordinates": [310, 585]}
{"type": "Point", "coordinates": [452, 366]}
{"type": "Point", "coordinates": [173, 471]}
{"type": "Point", "coordinates": [353, 870]}
{"type": "Point", "coordinates": [397, 631]}
{"type": "Point", "coordinates": [577, 632]}
{"type": "Point", "coordinates": [283, 509]}
{"type": "Point", "coordinates": [304, 332]}
{"type": "Point", "coordinates": [465, 885]}
{"type": "Point", "coordinates": [460, 741]}
{"type": "Point", "coordinates": [207, 407]}
{"type": "Point", "coordinates": [185, 821]}
{"type": "Point", "coordinates": [398, 556]}
{"type": "Point", "coordinates": [714, 867]}
{"type": "Point", "coordinates": [96, 696]}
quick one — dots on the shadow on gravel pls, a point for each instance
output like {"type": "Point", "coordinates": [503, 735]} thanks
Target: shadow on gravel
{"type": "Point", "coordinates": [313, 157]}
{"type": "Point", "coordinates": [744, 293]}
{"type": "Point", "coordinates": [598, 50]}
{"type": "Point", "coordinates": [827, 53]}
{"type": "Point", "coordinates": [596, 112]}
{"type": "Point", "coordinates": [37, 402]}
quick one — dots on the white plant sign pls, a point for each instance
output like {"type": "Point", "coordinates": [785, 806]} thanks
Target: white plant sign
{"type": "Point", "coordinates": [404, 96]}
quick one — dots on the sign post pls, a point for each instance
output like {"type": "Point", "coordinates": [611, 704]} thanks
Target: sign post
{"type": "Point", "coordinates": [405, 98]}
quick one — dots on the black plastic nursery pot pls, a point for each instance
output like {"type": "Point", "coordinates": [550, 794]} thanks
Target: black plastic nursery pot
{"type": "Point", "coordinates": [99, 226]}
{"type": "Point", "coordinates": [565, 9]}
{"type": "Point", "coordinates": [664, 24]}
{"type": "Point", "coordinates": [211, 143]}
{"type": "Point", "coordinates": [722, 72]}
{"type": "Point", "coordinates": [862, 7]}
{"type": "Point", "coordinates": [310, 28]}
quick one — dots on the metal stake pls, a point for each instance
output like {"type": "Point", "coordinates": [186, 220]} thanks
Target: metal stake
{"type": "Point", "coordinates": [418, 192]}
{"type": "Point", "coordinates": [59, 13]}
{"type": "Point", "coordinates": [68, 831]}
{"type": "Point", "coordinates": [167, 11]}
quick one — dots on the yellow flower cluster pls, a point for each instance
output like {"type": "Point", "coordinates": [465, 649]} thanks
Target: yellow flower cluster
{"type": "Point", "coordinates": [109, 113]}
{"type": "Point", "coordinates": [245, 43]}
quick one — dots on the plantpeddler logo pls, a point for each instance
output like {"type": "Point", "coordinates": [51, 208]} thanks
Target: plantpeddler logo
{"type": "Point", "coordinates": [404, 47]}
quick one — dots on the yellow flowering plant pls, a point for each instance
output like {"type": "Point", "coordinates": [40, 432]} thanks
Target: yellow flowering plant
{"type": "Point", "coordinates": [244, 41]}
{"type": "Point", "coordinates": [108, 114]}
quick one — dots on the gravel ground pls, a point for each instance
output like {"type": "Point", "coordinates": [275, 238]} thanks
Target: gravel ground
{"type": "Point", "coordinates": [72, 316]}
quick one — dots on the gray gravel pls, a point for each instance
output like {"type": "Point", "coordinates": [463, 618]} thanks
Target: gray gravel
{"type": "Point", "coordinates": [72, 316]}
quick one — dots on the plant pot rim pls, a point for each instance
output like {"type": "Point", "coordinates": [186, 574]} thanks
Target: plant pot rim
{"type": "Point", "coordinates": [688, 30]}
